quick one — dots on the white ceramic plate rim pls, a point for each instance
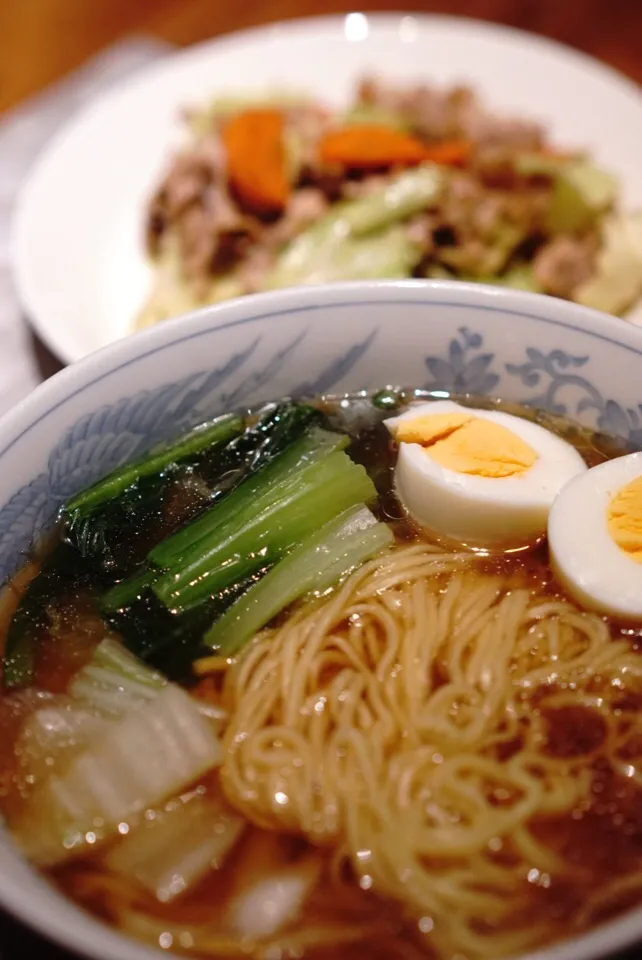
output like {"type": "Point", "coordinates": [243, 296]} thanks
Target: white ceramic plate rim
{"type": "Point", "coordinates": [58, 918]}
{"type": "Point", "coordinates": [46, 312]}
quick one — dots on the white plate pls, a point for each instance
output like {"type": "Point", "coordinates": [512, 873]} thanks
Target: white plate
{"type": "Point", "coordinates": [78, 240]}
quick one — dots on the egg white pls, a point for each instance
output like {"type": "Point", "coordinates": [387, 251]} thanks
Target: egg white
{"type": "Point", "coordinates": [585, 558]}
{"type": "Point", "coordinates": [484, 512]}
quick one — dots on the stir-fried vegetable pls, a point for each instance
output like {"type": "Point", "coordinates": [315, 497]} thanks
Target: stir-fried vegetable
{"type": "Point", "coordinates": [618, 278]}
{"type": "Point", "coordinates": [359, 238]}
{"type": "Point", "coordinates": [402, 181]}
{"type": "Point", "coordinates": [582, 192]}
{"type": "Point", "coordinates": [364, 146]}
{"type": "Point", "coordinates": [256, 157]}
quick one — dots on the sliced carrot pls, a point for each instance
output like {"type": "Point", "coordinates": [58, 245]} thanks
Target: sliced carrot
{"type": "Point", "coordinates": [450, 153]}
{"type": "Point", "coordinates": [256, 158]}
{"type": "Point", "coordinates": [367, 146]}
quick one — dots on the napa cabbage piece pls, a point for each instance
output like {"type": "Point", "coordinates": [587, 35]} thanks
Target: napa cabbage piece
{"type": "Point", "coordinates": [171, 851]}
{"type": "Point", "coordinates": [115, 681]}
{"type": "Point", "coordinates": [369, 113]}
{"type": "Point", "coordinates": [361, 238]}
{"type": "Point", "coordinates": [617, 281]}
{"type": "Point", "coordinates": [582, 193]}
{"type": "Point", "coordinates": [123, 741]}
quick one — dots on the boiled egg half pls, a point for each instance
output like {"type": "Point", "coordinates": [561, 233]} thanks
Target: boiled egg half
{"type": "Point", "coordinates": [595, 537]}
{"type": "Point", "coordinates": [481, 477]}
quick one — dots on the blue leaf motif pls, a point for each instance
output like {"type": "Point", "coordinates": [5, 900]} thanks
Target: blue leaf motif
{"type": "Point", "coordinates": [578, 361]}
{"type": "Point", "coordinates": [456, 357]}
{"type": "Point", "coordinates": [106, 438]}
{"type": "Point", "coordinates": [486, 385]}
{"type": "Point", "coordinates": [463, 372]}
{"type": "Point", "coordinates": [535, 356]}
{"type": "Point", "coordinates": [336, 369]}
{"type": "Point", "coordinates": [613, 420]}
{"type": "Point", "coordinates": [476, 378]}
{"type": "Point", "coordinates": [440, 369]}
{"type": "Point", "coordinates": [28, 512]}
{"type": "Point", "coordinates": [260, 378]}
{"type": "Point", "coordinates": [471, 340]}
{"type": "Point", "coordinates": [200, 398]}
{"type": "Point", "coordinates": [517, 369]}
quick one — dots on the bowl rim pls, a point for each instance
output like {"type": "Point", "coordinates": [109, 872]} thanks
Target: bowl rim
{"type": "Point", "coordinates": [59, 919]}
{"type": "Point", "coordinates": [121, 353]}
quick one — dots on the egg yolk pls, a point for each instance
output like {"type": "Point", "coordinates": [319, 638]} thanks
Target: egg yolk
{"type": "Point", "coordinates": [468, 444]}
{"type": "Point", "coordinates": [625, 519]}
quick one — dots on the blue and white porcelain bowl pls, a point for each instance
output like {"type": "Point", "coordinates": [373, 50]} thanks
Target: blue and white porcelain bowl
{"type": "Point", "coordinates": [441, 336]}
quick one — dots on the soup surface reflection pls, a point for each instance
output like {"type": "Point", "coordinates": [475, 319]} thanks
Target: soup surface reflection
{"type": "Point", "coordinates": [437, 753]}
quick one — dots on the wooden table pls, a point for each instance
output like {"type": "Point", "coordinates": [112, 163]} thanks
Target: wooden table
{"type": "Point", "coordinates": [40, 40]}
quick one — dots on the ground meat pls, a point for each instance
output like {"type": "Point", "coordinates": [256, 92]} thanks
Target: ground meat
{"type": "Point", "coordinates": [565, 263]}
{"type": "Point", "coordinates": [212, 234]}
{"type": "Point", "coordinates": [305, 206]}
{"type": "Point", "coordinates": [436, 114]}
{"type": "Point", "coordinates": [486, 215]}
{"type": "Point", "coordinates": [193, 199]}
{"type": "Point", "coordinates": [306, 124]}
{"type": "Point", "coordinates": [456, 113]}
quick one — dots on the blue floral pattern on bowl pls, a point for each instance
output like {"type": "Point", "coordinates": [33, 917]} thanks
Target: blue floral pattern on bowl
{"type": "Point", "coordinates": [122, 431]}
{"type": "Point", "coordinates": [551, 378]}
{"type": "Point", "coordinates": [253, 366]}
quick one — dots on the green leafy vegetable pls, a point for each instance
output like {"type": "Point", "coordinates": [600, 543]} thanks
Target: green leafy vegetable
{"type": "Point", "coordinates": [317, 564]}
{"type": "Point", "coordinates": [371, 114]}
{"type": "Point", "coordinates": [260, 489]}
{"type": "Point", "coordinates": [263, 532]}
{"type": "Point", "coordinates": [582, 193]}
{"type": "Point", "coordinates": [360, 238]}
{"type": "Point", "coordinates": [218, 432]}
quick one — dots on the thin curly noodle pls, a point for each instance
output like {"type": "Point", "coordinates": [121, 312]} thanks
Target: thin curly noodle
{"type": "Point", "coordinates": [395, 721]}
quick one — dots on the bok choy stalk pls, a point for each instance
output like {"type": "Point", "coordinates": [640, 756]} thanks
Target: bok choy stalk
{"type": "Point", "coordinates": [327, 556]}
{"type": "Point", "coordinates": [264, 487]}
{"type": "Point", "coordinates": [171, 852]}
{"type": "Point", "coordinates": [262, 534]}
{"type": "Point", "coordinates": [220, 472]}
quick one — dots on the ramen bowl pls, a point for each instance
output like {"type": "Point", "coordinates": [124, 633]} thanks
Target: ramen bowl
{"type": "Point", "coordinates": [443, 337]}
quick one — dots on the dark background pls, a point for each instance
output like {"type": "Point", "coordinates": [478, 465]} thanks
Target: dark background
{"type": "Point", "coordinates": [41, 40]}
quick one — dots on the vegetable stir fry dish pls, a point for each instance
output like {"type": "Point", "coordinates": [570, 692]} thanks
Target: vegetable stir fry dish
{"type": "Point", "coordinates": [407, 182]}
